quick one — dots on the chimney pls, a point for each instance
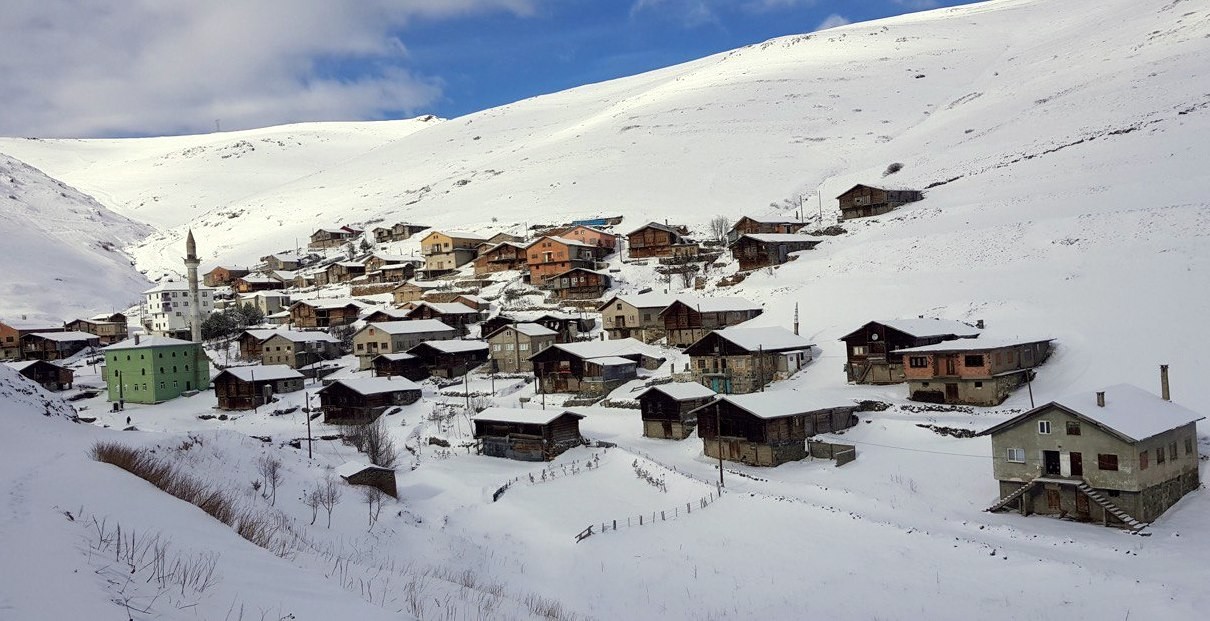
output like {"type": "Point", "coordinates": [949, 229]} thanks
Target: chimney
{"type": "Point", "coordinates": [796, 319]}
{"type": "Point", "coordinates": [1101, 399]}
{"type": "Point", "coordinates": [136, 339]}
{"type": "Point", "coordinates": [1164, 392]}
{"type": "Point", "coordinates": [979, 323]}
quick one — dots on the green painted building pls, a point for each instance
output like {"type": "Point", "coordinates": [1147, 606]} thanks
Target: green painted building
{"type": "Point", "coordinates": [154, 369]}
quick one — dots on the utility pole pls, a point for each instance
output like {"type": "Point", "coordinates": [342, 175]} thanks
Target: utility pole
{"type": "Point", "coordinates": [760, 365]}
{"type": "Point", "coordinates": [718, 434]}
{"type": "Point", "coordinates": [466, 386]}
{"type": "Point", "coordinates": [307, 415]}
{"type": "Point", "coordinates": [252, 374]}
{"type": "Point", "coordinates": [820, 195]}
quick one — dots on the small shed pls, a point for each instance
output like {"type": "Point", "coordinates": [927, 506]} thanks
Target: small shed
{"type": "Point", "coordinates": [758, 250]}
{"type": "Point", "coordinates": [767, 428]}
{"type": "Point", "coordinates": [400, 364]}
{"type": "Point", "coordinates": [526, 435]}
{"type": "Point", "coordinates": [362, 400]}
{"type": "Point", "coordinates": [666, 409]}
{"type": "Point", "coordinates": [246, 388]}
{"type": "Point", "coordinates": [48, 375]}
{"type": "Point", "coordinates": [450, 358]}
{"type": "Point", "coordinates": [356, 473]}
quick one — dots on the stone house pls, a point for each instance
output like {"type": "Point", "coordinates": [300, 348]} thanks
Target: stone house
{"type": "Point", "coordinates": [767, 428]}
{"type": "Point", "coordinates": [978, 371]}
{"type": "Point", "coordinates": [868, 349]}
{"type": "Point", "coordinates": [578, 283]}
{"type": "Point", "coordinates": [665, 409]}
{"type": "Point", "coordinates": [323, 313]}
{"type": "Point", "coordinates": [251, 342]}
{"type": "Point", "coordinates": [549, 256]}
{"type": "Point", "coordinates": [757, 250]}
{"type": "Point", "coordinates": [450, 358]}
{"type": "Point", "coordinates": [502, 257]}
{"type": "Point", "coordinates": [267, 302]}
{"type": "Point", "coordinates": [332, 238]}
{"type": "Point", "coordinates": [363, 400]}
{"type": "Point", "coordinates": [48, 375]}
{"type": "Point", "coordinates": [247, 388]}
{"type": "Point", "coordinates": [526, 435]}
{"type": "Point", "coordinates": [56, 345]}
{"type": "Point", "coordinates": [446, 252]}
{"type": "Point", "coordinates": [861, 201]}
{"type": "Point", "coordinates": [453, 314]}
{"type": "Point", "coordinates": [391, 337]}
{"type": "Point", "coordinates": [339, 272]}
{"type": "Point", "coordinates": [223, 276]}
{"type": "Point", "coordinates": [656, 240]}
{"type": "Point", "coordinates": [109, 328]}
{"type": "Point", "coordinates": [688, 319]}
{"type": "Point", "coordinates": [512, 345]}
{"type": "Point", "coordinates": [154, 369]}
{"type": "Point", "coordinates": [635, 316]}
{"type": "Point", "coordinates": [11, 331]}
{"type": "Point", "coordinates": [570, 367]}
{"type": "Point", "coordinates": [399, 231]}
{"type": "Point", "coordinates": [1121, 457]}
{"type": "Point", "coordinates": [297, 349]}
{"type": "Point", "coordinates": [740, 360]}
{"type": "Point", "coordinates": [356, 473]}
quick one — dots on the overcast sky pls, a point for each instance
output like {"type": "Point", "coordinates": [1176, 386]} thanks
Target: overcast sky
{"type": "Point", "coordinates": [86, 68]}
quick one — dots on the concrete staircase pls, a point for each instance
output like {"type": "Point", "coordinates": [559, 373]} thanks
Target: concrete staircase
{"type": "Point", "coordinates": [1111, 508]}
{"type": "Point", "coordinates": [1017, 493]}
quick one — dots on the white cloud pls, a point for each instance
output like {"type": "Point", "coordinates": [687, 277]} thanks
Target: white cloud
{"type": "Point", "coordinates": [833, 21]}
{"type": "Point", "coordinates": [918, 5]}
{"type": "Point", "coordinates": [691, 13]}
{"type": "Point", "coordinates": [97, 67]}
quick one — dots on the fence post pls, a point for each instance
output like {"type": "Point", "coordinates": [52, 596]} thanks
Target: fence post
{"type": "Point", "coordinates": [662, 519]}
{"type": "Point", "coordinates": [615, 524]}
{"type": "Point", "coordinates": [688, 508]}
{"type": "Point", "coordinates": [640, 520]}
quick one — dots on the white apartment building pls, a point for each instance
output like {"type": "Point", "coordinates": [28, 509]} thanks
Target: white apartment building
{"type": "Point", "coordinates": [166, 308]}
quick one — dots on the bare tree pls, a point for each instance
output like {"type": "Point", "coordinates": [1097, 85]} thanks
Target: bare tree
{"type": "Point", "coordinates": [373, 497]}
{"type": "Point", "coordinates": [311, 500]}
{"type": "Point", "coordinates": [270, 470]}
{"type": "Point", "coordinates": [375, 441]}
{"type": "Point", "coordinates": [329, 496]}
{"type": "Point", "coordinates": [719, 226]}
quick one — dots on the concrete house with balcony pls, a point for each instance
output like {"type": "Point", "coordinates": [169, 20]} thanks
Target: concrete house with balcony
{"type": "Point", "coordinates": [869, 350]}
{"type": "Point", "coordinates": [11, 331]}
{"type": "Point", "coordinates": [689, 319]}
{"type": "Point", "coordinates": [394, 337]}
{"type": "Point", "coordinates": [504, 256]}
{"type": "Point", "coordinates": [166, 308]}
{"type": "Point", "coordinates": [1120, 457]}
{"type": "Point", "coordinates": [740, 360]}
{"type": "Point", "coordinates": [109, 327]}
{"type": "Point", "coordinates": [550, 256]}
{"type": "Point", "coordinates": [635, 316]}
{"type": "Point", "coordinates": [154, 369]}
{"type": "Point", "coordinates": [299, 349]}
{"type": "Point", "coordinates": [446, 252]}
{"type": "Point", "coordinates": [511, 345]}
{"type": "Point", "coordinates": [978, 371]}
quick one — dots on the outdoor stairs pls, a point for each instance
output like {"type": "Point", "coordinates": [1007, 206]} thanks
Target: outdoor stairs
{"type": "Point", "coordinates": [1017, 493]}
{"type": "Point", "coordinates": [1113, 509]}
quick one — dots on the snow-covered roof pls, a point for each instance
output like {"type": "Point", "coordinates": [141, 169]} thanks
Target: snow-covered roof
{"type": "Point", "coordinates": [1129, 411]}
{"type": "Point", "coordinates": [522, 416]}
{"type": "Point", "coordinates": [285, 257]}
{"type": "Point", "coordinates": [643, 300]}
{"type": "Point", "coordinates": [329, 303]}
{"type": "Point", "coordinates": [462, 235]}
{"type": "Point", "coordinates": [474, 298]}
{"type": "Point", "coordinates": [396, 356]}
{"type": "Point", "coordinates": [251, 278]}
{"type": "Point", "coordinates": [781, 238]}
{"type": "Point", "coordinates": [264, 373]}
{"type": "Point", "coordinates": [453, 347]}
{"type": "Point", "coordinates": [979, 344]}
{"type": "Point", "coordinates": [448, 308]}
{"type": "Point", "coordinates": [148, 341]}
{"type": "Point", "coordinates": [770, 338]}
{"type": "Point", "coordinates": [305, 336]}
{"type": "Point", "coordinates": [781, 403]}
{"type": "Point", "coordinates": [611, 361]}
{"type": "Point", "coordinates": [393, 258]}
{"type": "Point", "coordinates": [21, 366]}
{"type": "Point", "coordinates": [351, 468]}
{"type": "Point", "coordinates": [175, 285]}
{"type": "Point", "coordinates": [717, 304]}
{"type": "Point", "coordinates": [389, 312]}
{"type": "Point", "coordinates": [569, 242]}
{"type": "Point", "coordinates": [528, 329]}
{"type": "Point", "coordinates": [64, 337]}
{"type": "Point", "coordinates": [599, 349]}
{"type": "Point", "coordinates": [897, 188]}
{"type": "Point", "coordinates": [682, 391]}
{"type": "Point", "coordinates": [32, 324]}
{"type": "Point", "coordinates": [656, 225]}
{"type": "Point", "coordinates": [771, 219]}
{"type": "Point", "coordinates": [260, 334]}
{"type": "Point", "coordinates": [411, 327]}
{"type": "Point", "coordinates": [350, 264]}
{"type": "Point", "coordinates": [924, 327]}
{"type": "Point", "coordinates": [374, 385]}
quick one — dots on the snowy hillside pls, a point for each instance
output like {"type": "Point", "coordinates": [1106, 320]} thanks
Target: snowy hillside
{"type": "Point", "coordinates": [63, 251]}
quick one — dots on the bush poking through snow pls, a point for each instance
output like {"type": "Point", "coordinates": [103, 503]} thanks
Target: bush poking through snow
{"type": "Point", "coordinates": [375, 441]}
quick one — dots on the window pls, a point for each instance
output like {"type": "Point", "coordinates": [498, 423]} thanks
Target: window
{"type": "Point", "coordinates": [918, 362]}
{"type": "Point", "coordinates": [508, 346]}
{"type": "Point", "coordinates": [1107, 461]}
{"type": "Point", "coordinates": [174, 368]}
{"type": "Point", "coordinates": [1073, 427]}
{"type": "Point", "coordinates": [161, 385]}
{"type": "Point", "coordinates": [174, 385]}
{"type": "Point", "coordinates": [1159, 455]}
{"type": "Point", "coordinates": [1016, 455]}
{"type": "Point", "coordinates": [859, 350]}
{"type": "Point", "coordinates": [1188, 445]}
{"type": "Point", "coordinates": [973, 360]}
{"type": "Point", "coordinates": [1172, 451]}
{"type": "Point", "coordinates": [361, 347]}
{"type": "Point", "coordinates": [1044, 426]}
{"type": "Point", "coordinates": [1113, 493]}
{"type": "Point", "coordinates": [495, 347]}
{"type": "Point", "coordinates": [1144, 459]}
{"type": "Point", "coordinates": [523, 347]}
{"type": "Point", "coordinates": [619, 306]}
{"type": "Point", "coordinates": [978, 384]}
{"type": "Point", "coordinates": [142, 371]}
{"type": "Point", "coordinates": [161, 369]}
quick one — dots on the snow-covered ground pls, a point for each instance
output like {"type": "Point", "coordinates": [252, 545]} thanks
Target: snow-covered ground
{"type": "Point", "coordinates": [1070, 144]}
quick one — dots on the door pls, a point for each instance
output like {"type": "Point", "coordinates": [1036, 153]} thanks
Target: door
{"type": "Point", "coordinates": [1081, 506]}
{"type": "Point", "coordinates": [951, 393]}
{"type": "Point", "coordinates": [951, 365]}
{"type": "Point", "coordinates": [1050, 462]}
{"type": "Point", "coordinates": [1052, 500]}
{"type": "Point", "coordinates": [667, 424]}
{"type": "Point", "coordinates": [1077, 466]}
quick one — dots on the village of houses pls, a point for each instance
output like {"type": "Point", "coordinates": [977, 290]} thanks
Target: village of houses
{"type": "Point", "coordinates": [527, 333]}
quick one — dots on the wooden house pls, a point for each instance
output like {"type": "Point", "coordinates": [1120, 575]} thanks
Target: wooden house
{"type": "Point", "coordinates": [767, 428]}
{"type": "Point", "coordinates": [281, 261]}
{"type": "Point", "coordinates": [446, 252]}
{"type": "Point", "coordinates": [688, 319]}
{"type": "Point", "coordinates": [356, 473]}
{"type": "Point", "coordinates": [340, 272]}
{"type": "Point", "coordinates": [412, 291]}
{"type": "Point", "coordinates": [391, 337]}
{"type": "Point", "coordinates": [399, 231]}
{"type": "Point", "coordinates": [501, 257]}
{"type": "Point", "coordinates": [323, 313]}
{"type": "Point", "coordinates": [299, 349]}
{"type": "Point", "coordinates": [251, 283]}
{"type": "Point", "coordinates": [12, 330]}
{"type": "Point", "coordinates": [656, 240]}
{"type": "Point", "coordinates": [978, 371]}
{"type": "Point", "coordinates": [223, 276]}
{"type": "Point", "coordinates": [868, 349]}
{"type": "Point", "coordinates": [550, 256]}
{"type": "Point", "coordinates": [332, 238]}
{"type": "Point", "coordinates": [739, 360]}
{"type": "Point", "coordinates": [394, 272]}
{"type": "Point", "coordinates": [566, 367]}
{"type": "Point", "coordinates": [453, 314]}
{"type": "Point", "coordinates": [666, 409]}
{"type": "Point", "coordinates": [578, 283]}
{"type": "Point", "coordinates": [861, 201]}
{"type": "Point", "coordinates": [363, 400]}
{"type": "Point", "coordinates": [48, 375]}
{"type": "Point", "coordinates": [399, 364]}
{"type": "Point", "coordinates": [512, 345]}
{"type": "Point", "coordinates": [766, 225]}
{"type": "Point", "coordinates": [378, 260]}
{"type": "Point", "coordinates": [246, 388]}
{"type": "Point", "coordinates": [1121, 457]}
{"type": "Point", "coordinates": [604, 241]}
{"type": "Point", "coordinates": [56, 345]}
{"type": "Point", "coordinates": [568, 327]}
{"type": "Point", "coordinates": [756, 250]}
{"type": "Point", "coordinates": [450, 358]}
{"type": "Point", "coordinates": [635, 316]}
{"type": "Point", "coordinates": [527, 435]}
{"type": "Point", "coordinates": [383, 315]}
{"type": "Point", "coordinates": [109, 328]}
{"type": "Point", "coordinates": [251, 342]}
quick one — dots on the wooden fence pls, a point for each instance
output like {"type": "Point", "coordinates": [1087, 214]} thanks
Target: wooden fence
{"type": "Point", "coordinates": [644, 519]}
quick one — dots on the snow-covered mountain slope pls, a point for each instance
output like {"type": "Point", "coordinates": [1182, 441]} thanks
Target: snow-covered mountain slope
{"type": "Point", "coordinates": [63, 251]}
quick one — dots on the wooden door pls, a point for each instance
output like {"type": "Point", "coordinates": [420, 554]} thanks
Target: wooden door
{"type": "Point", "coordinates": [951, 393]}
{"type": "Point", "coordinates": [951, 365]}
{"type": "Point", "coordinates": [1081, 505]}
{"type": "Point", "coordinates": [1077, 466]}
{"type": "Point", "coordinates": [667, 428]}
{"type": "Point", "coordinates": [1052, 499]}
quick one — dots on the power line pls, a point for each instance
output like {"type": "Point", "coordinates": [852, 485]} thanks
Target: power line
{"type": "Point", "coordinates": [915, 450]}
